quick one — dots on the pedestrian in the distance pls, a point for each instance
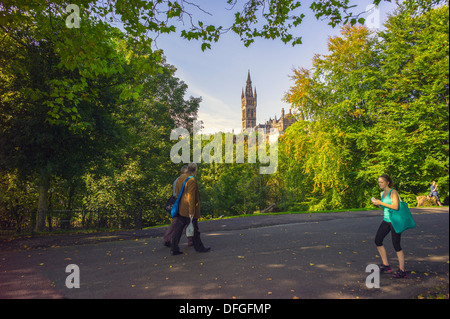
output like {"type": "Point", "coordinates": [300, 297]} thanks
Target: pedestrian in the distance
{"type": "Point", "coordinates": [389, 200]}
{"type": "Point", "coordinates": [434, 192]}
{"type": "Point", "coordinates": [189, 207]}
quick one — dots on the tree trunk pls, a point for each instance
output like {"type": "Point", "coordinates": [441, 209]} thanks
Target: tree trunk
{"type": "Point", "coordinates": [49, 216]}
{"type": "Point", "coordinates": [33, 221]}
{"type": "Point", "coordinates": [138, 219]}
{"type": "Point", "coordinates": [44, 185]}
{"type": "Point", "coordinates": [67, 215]}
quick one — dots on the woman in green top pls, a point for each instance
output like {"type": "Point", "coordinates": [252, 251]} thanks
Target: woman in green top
{"type": "Point", "coordinates": [389, 200]}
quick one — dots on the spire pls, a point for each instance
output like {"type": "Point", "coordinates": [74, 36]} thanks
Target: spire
{"type": "Point", "coordinates": [248, 101]}
{"type": "Point", "coordinates": [248, 86]}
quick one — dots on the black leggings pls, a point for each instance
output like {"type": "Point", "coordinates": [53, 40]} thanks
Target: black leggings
{"type": "Point", "coordinates": [382, 232]}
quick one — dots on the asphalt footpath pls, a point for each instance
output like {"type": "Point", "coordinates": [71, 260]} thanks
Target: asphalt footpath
{"type": "Point", "coordinates": [285, 256]}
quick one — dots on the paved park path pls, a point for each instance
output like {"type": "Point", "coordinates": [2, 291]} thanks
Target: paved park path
{"type": "Point", "coordinates": [265, 256]}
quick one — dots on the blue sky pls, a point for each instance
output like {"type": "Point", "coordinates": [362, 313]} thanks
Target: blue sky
{"type": "Point", "coordinates": [218, 75]}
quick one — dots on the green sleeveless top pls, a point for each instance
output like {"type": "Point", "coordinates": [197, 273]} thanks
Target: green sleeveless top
{"type": "Point", "coordinates": [386, 200]}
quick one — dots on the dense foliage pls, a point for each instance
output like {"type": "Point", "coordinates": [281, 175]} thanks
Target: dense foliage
{"type": "Point", "coordinates": [375, 104]}
{"type": "Point", "coordinates": [86, 116]}
{"type": "Point", "coordinates": [85, 121]}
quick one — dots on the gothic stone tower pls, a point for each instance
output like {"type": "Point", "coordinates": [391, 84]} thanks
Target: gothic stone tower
{"type": "Point", "coordinates": [248, 101]}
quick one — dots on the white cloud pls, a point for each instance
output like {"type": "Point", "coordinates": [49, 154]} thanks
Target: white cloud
{"type": "Point", "coordinates": [215, 113]}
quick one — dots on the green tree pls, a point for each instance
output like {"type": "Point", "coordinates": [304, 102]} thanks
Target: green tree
{"type": "Point", "coordinates": [17, 199]}
{"type": "Point", "coordinates": [412, 107]}
{"type": "Point", "coordinates": [129, 193]}
{"type": "Point", "coordinates": [374, 104]}
{"type": "Point", "coordinates": [267, 19]}
{"type": "Point", "coordinates": [36, 139]}
{"type": "Point", "coordinates": [332, 102]}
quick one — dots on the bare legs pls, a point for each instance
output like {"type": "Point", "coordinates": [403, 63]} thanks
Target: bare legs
{"type": "Point", "coordinates": [400, 256]}
{"type": "Point", "coordinates": [383, 254]}
{"type": "Point", "coordinates": [401, 260]}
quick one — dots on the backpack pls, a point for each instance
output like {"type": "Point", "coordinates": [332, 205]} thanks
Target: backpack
{"type": "Point", "coordinates": [169, 203]}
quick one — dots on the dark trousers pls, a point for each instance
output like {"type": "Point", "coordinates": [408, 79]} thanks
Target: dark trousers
{"type": "Point", "coordinates": [382, 232]}
{"type": "Point", "coordinates": [179, 226]}
{"type": "Point", "coordinates": [169, 233]}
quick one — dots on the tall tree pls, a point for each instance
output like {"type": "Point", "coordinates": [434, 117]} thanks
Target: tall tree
{"type": "Point", "coordinates": [332, 100]}
{"type": "Point", "coordinates": [55, 118]}
{"type": "Point", "coordinates": [375, 104]}
{"type": "Point", "coordinates": [411, 109]}
{"type": "Point", "coordinates": [130, 191]}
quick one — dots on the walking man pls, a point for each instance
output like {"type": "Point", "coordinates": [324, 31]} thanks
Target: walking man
{"type": "Point", "coordinates": [189, 207]}
{"type": "Point", "coordinates": [168, 235]}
